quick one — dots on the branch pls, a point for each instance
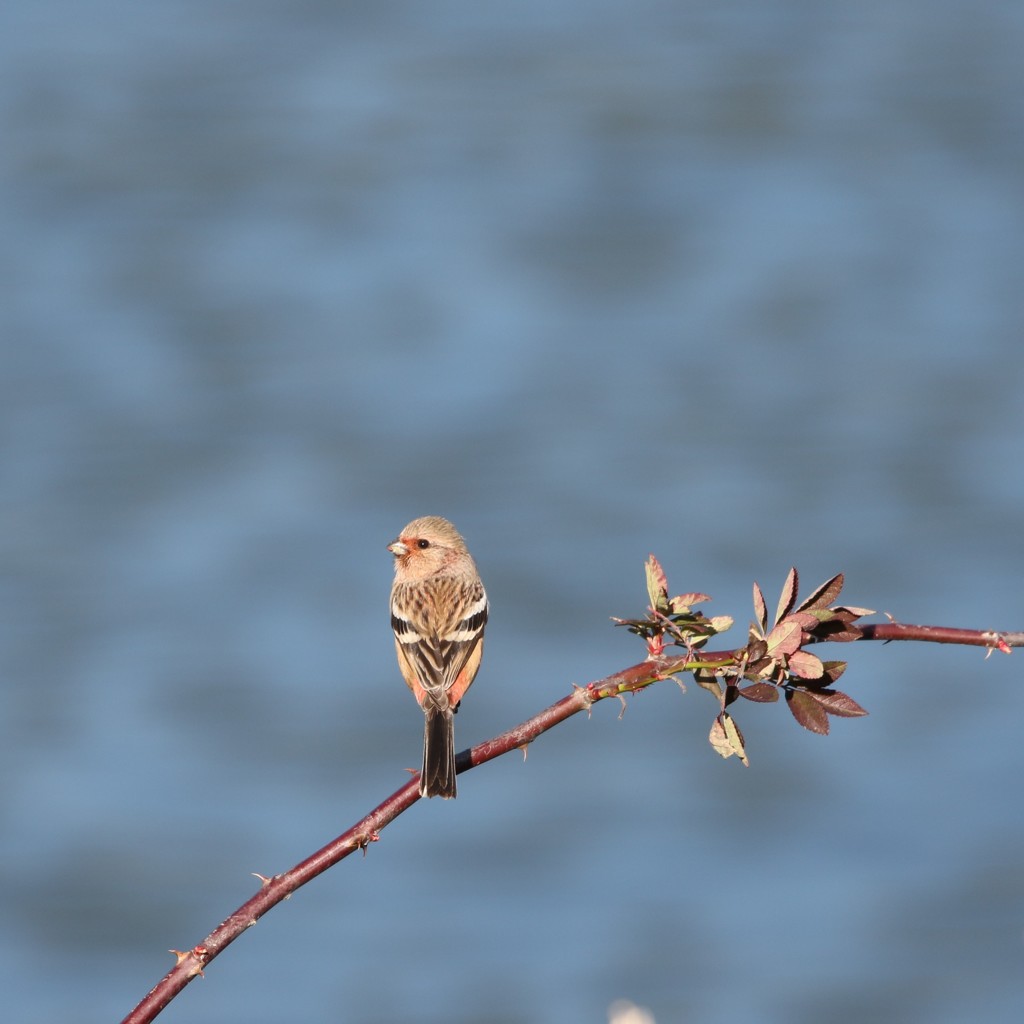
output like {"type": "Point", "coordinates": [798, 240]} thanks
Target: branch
{"type": "Point", "coordinates": [190, 963]}
{"type": "Point", "coordinates": [942, 635]}
{"type": "Point", "coordinates": [770, 659]}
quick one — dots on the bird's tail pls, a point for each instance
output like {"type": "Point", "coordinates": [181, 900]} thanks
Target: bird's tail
{"type": "Point", "coordinates": [438, 775]}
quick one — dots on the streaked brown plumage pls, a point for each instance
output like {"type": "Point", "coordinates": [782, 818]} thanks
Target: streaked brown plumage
{"type": "Point", "coordinates": [438, 614]}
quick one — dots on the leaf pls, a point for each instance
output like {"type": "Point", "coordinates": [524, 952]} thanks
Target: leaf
{"type": "Point", "coordinates": [732, 731]}
{"type": "Point", "coordinates": [807, 711]}
{"type": "Point", "coordinates": [833, 670]}
{"type": "Point", "coordinates": [784, 638]}
{"type": "Point", "coordinates": [657, 584]}
{"type": "Point", "coordinates": [837, 628]}
{"type": "Point", "coordinates": [726, 738]}
{"type": "Point", "coordinates": [763, 693]}
{"type": "Point", "coordinates": [719, 741]}
{"type": "Point", "coordinates": [857, 612]}
{"type": "Point", "coordinates": [806, 665]}
{"type": "Point", "coordinates": [837, 703]}
{"type": "Point", "coordinates": [760, 609]}
{"type": "Point", "coordinates": [825, 594]}
{"type": "Point", "coordinates": [835, 624]}
{"type": "Point", "coordinates": [707, 680]}
{"type": "Point", "coordinates": [756, 650]}
{"type": "Point", "coordinates": [788, 595]}
{"type": "Point", "coordinates": [684, 602]}
{"type": "Point", "coordinates": [807, 621]}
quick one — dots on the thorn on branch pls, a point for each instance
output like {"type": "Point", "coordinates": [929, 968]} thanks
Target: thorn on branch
{"type": "Point", "coordinates": [200, 954]}
{"type": "Point", "coordinates": [586, 695]}
{"type": "Point", "coordinates": [363, 840]}
{"type": "Point", "coordinates": [998, 644]}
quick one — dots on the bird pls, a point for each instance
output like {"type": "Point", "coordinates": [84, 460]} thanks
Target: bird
{"type": "Point", "coordinates": [438, 614]}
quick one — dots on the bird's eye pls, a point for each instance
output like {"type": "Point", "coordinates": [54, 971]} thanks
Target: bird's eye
{"type": "Point", "coordinates": [421, 544]}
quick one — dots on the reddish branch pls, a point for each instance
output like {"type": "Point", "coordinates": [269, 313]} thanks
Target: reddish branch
{"type": "Point", "coordinates": [941, 635]}
{"type": "Point", "coordinates": [273, 890]}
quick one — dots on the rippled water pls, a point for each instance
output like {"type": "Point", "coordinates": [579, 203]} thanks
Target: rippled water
{"type": "Point", "coordinates": [739, 284]}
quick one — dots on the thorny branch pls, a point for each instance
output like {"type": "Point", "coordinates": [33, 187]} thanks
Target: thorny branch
{"type": "Point", "coordinates": [774, 661]}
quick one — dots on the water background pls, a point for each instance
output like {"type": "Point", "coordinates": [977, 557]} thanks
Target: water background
{"type": "Point", "coordinates": [738, 283]}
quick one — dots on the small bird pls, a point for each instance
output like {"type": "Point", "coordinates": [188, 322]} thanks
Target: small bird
{"type": "Point", "coordinates": [438, 613]}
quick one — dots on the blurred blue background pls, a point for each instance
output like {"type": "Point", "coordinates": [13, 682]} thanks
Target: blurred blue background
{"type": "Point", "coordinates": [738, 283]}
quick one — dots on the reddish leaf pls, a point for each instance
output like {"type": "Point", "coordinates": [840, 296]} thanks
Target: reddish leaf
{"type": "Point", "coordinates": [760, 609]}
{"type": "Point", "coordinates": [807, 711]}
{"type": "Point", "coordinates": [845, 615]}
{"type": "Point", "coordinates": [788, 596]}
{"type": "Point", "coordinates": [756, 650]}
{"type": "Point", "coordinates": [657, 584]}
{"type": "Point", "coordinates": [732, 731]}
{"type": "Point", "coordinates": [784, 638]}
{"type": "Point", "coordinates": [763, 693]}
{"type": "Point", "coordinates": [833, 670]}
{"type": "Point", "coordinates": [807, 621]}
{"type": "Point", "coordinates": [719, 741]}
{"type": "Point", "coordinates": [857, 613]}
{"type": "Point", "coordinates": [763, 668]}
{"type": "Point", "coordinates": [834, 629]}
{"type": "Point", "coordinates": [708, 681]}
{"type": "Point", "coordinates": [806, 665]}
{"type": "Point", "coordinates": [835, 702]}
{"type": "Point", "coordinates": [825, 594]}
{"type": "Point", "coordinates": [726, 738]}
{"type": "Point", "coordinates": [847, 635]}
{"type": "Point", "coordinates": [684, 602]}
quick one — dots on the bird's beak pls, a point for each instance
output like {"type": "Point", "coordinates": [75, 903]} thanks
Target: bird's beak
{"type": "Point", "coordinates": [397, 548]}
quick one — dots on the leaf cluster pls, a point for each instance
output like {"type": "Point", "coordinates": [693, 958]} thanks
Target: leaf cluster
{"type": "Point", "coordinates": [774, 660]}
{"type": "Point", "coordinates": [672, 620]}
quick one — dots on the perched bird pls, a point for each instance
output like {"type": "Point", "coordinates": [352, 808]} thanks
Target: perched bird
{"type": "Point", "coordinates": [438, 613]}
